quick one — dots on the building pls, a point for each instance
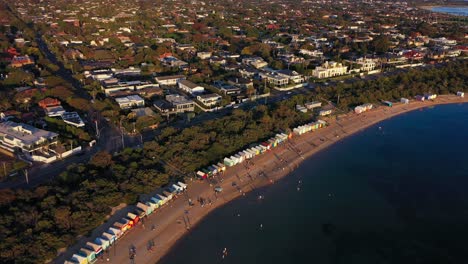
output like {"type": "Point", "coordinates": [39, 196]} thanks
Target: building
{"type": "Point", "coordinates": [113, 86]}
{"type": "Point", "coordinates": [325, 112]}
{"type": "Point", "coordinates": [190, 87]}
{"type": "Point", "coordinates": [419, 98]}
{"type": "Point", "coordinates": [366, 64]}
{"type": "Point", "coordinates": [27, 139]}
{"type": "Point", "coordinates": [242, 83]}
{"type": "Point", "coordinates": [312, 105]}
{"type": "Point", "coordinates": [209, 99]}
{"type": "Point", "coordinates": [54, 111]}
{"type": "Point", "coordinates": [301, 108]}
{"type": "Point", "coordinates": [293, 76]}
{"type": "Point", "coordinates": [362, 108]}
{"type": "Point", "coordinates": [429, 96]}
{"type": "Point", "coordinates": [130, 101]}
{"type": "Point", "coordinates": [173, 62]}
{"type": "Point", "coordinates": [256, 62]}
{"type": "Point", "coordinates": [329, 69]}
{"type": "Point", "coordinates": [248, 72]}
{"type": "Point", "coordinates": [49, 102]}
{"type": "Point", "coordinates": [72, 118]}
{"type": "Point", "coordinates": [204, 55]}
{"type": "Point", "coordinates": [228, 89]}
{"type": "Point", "coordinates": [169, 80]}
{"type": "Point", "coordinates": [181, 103]}
{"type": "Point", "coordinates": [174, 104]}
{"type": "Point", "coordinates": [20, 61]}
{"type": "Point", "coordinates": [275, 79]}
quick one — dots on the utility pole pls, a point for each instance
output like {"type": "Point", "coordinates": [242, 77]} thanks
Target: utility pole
{"type": "Point", "coordinates": [26, 176]}
{"type": "Point", "coordinates": [4, 169]}
{"type": "Point", "coordinates": [122, 135]}
{"type": "Point", "coordinates": [97, 128]}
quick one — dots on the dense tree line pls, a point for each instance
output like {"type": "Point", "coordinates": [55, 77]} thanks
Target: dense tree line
{"type": "Point", "coordinates": [36, 223]}
{"type": "Point", "coordinates": [440, 79]}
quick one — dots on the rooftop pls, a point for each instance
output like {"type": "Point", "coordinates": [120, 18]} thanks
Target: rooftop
{"type": "Point", "coordinates": [29, 135]}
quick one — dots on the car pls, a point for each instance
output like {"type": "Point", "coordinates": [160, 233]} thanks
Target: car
{"type": "Point", "coordinates": [218, 189]}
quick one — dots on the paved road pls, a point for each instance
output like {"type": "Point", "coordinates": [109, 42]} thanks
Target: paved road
{"type": "Point", "coordinates": [109, 140]}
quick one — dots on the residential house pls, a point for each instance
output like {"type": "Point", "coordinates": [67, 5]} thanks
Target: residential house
{"type": "Point", "coordinates": [173, 62]}
{"type": "Point", "coordinates": [130, 101]}
{"type": "Point", "coordinates": [52, 107]}
{"type": "Point", "coordinates": [190, 87]}
{"type": "Point", "coordinates": [256, 62]}
{"type": "Point", "coordinates": [293, 76]}
{"type": "Point", "coordinates": [20, 61]}
{"type": "Point", "coordinates": [72, 118]}
{"type": "Point", "coordinates": [275, 79]}
{"type": "Point", "coordinates": [240, 82]}
{"type": "Point", "coordinates": [27, 139]}
{"type": "Point", "coordinates": [209, 99]}
{"type": "Point", "coordinates": [366, 64]}
{"type": "Point", "coordinates": [174, 104]}
{"type": "Point", "coordinates": [329, 69]}
{"type": "Point", "coordinates": [217, 60]}
{"type": "Point", "coordinates": [248, 72]}
{"type": "Point", "coordinates": [169, 80]}
{"type": "Point", "coordinates": [204, 55]}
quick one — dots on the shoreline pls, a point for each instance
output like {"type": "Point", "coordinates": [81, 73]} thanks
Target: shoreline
{"type": "Point", "coordinates": [175, 220]}
{"type": "Point", "coordinates": [430, 7]}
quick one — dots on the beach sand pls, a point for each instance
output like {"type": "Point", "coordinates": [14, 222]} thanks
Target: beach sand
{"type": "Point", "coordinates": [174, 220]}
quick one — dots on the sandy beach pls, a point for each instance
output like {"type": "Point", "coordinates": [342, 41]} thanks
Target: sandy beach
{"type": "Point", "coordinates": [174, 220]}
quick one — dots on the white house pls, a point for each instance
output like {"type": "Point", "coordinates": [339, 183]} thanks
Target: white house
{"type": "Point", "coordinates": [209, 99]}
{"type": "Point", "coordinates": [130, 101]}
{"type": "Point", "coordinates": [204, 55]}
{"type": "Point", "coordinates": [329, 69]}
{"type": "Point", "coordinates": [169, 80]}
{"type": "Point", "coordinates": [190, 87]}
{"type": "Point", "coordinates": [275, 79]}
{"type": "Point", "coordinates": [293, 76]}
{"type": "Point", "coordinates": [366, 64]}
{"type": "Point", "coordinates": [30, 140]}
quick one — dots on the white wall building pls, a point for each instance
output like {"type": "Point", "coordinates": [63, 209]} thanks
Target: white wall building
{"type": "Point", "coordinates": [329, 69]}
{"type": "Point", "coordinates": [209, 99]}
{"type": "Point", "coordinates": [169, 80]}
{"type": "Point", "coordinates": [30, 140]}
{"type": "Point", "coordinates": [130, 101]}
{"type": "Point", "coordinates": [366, 64]}
{"type": "Point", "coordinates": [204, 55]}
{"type": "Point", "coordinates": [190, 87]}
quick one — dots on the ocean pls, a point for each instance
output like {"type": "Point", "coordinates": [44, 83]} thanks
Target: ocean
{"type": "Point", "coordinates": [393, 193]}
{"type": "Point", "coordinates": [460, 11]}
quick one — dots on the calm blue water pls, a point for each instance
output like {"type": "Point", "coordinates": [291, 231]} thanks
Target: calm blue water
{"type": "Point", "coordinates": [393, 195]}
{"type": "Point", "coordinates": [460, 11]}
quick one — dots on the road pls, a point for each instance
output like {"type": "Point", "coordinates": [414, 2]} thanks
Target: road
{"type": "Point", "coordinates": [109, 140]}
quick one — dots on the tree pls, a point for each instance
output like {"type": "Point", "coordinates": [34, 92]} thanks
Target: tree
{"type": "Point", "coordinates": [63, 217]}
{"type": "Point", "coordinates": [101, 160]}
{"type": "Point", "coordinates": [381, 44]}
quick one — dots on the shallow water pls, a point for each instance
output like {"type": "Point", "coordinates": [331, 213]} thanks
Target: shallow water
{"type": "Point", "coordinates": [394, 193]}
{"type": "Point", "coordinates": [460, 11]}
